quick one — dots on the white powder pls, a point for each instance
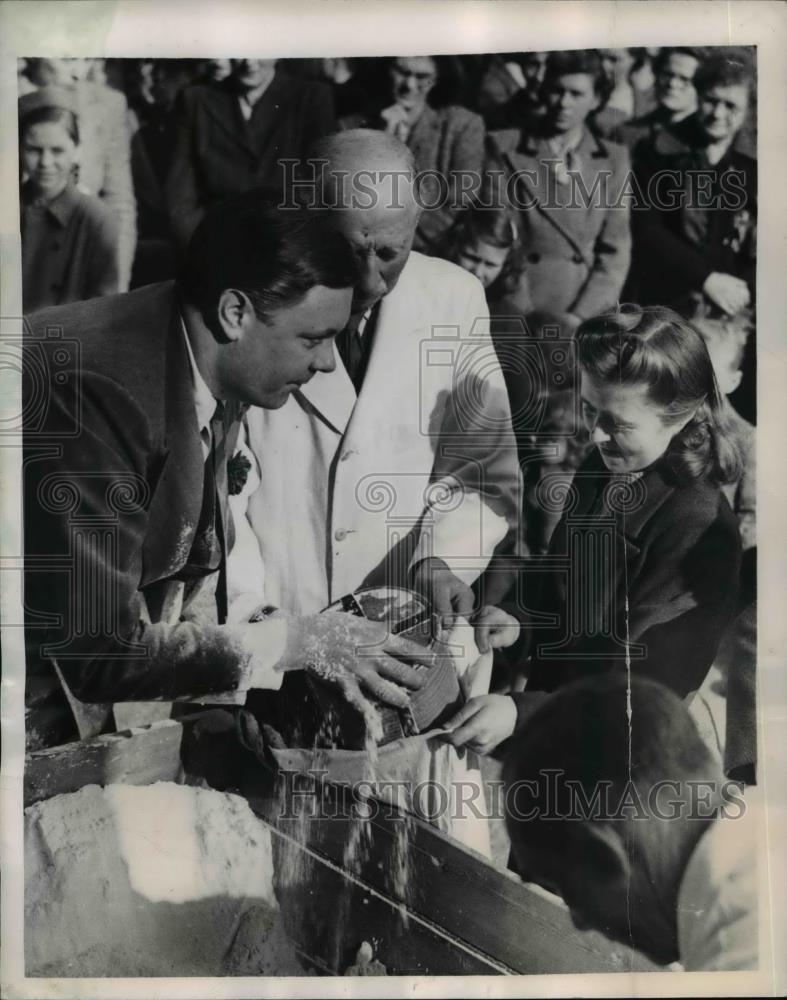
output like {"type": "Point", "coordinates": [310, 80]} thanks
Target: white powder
{"type": "Point", "coordinates": [162, 880]}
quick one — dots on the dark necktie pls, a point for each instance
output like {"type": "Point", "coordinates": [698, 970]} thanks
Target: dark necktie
{"type": "Point", "coordinates": [350, 345]}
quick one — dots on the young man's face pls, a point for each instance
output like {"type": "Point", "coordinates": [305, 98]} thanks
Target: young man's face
{"type": "Point", "coordinates": [276, 357]}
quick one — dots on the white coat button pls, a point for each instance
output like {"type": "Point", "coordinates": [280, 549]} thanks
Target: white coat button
{"type": "Point", "coordinates": [340, 535]}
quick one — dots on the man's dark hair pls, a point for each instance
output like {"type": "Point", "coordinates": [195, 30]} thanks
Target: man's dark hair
{"type": "Point", "coordinates": [726, 69]}
{"type": "Point", "coordinates": [586, 61]}
{"type": "Point", "coordinates": [585, 732]}
{"type": "Point", "coordinates": [695, 52]}
{"type": "Point", "coordinates": [274, 256]}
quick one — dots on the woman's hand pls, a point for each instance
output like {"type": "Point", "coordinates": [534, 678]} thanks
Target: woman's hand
{"type": "Point", "coordinates": [494, 629]}
{"type": "Point", "coordinates": [483, 723]}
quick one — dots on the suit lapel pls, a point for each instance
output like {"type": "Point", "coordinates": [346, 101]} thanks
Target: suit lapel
{"type": "Point", "coordinates": [175, 507]}
{"type": "Point", "coordinates": [424, 139]}
{"type": "Point", "coordinates": [397, 318]}
{"type": "Point", "coordinates": [221, 105]}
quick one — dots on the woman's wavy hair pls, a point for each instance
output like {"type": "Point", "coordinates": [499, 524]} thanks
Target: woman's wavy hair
{"type": "Point", "coordinates": [498, 228]}
{"type": "Point", "coordinates": [653, 346]}
{"type": "Point", "coordinates": [586, 61]}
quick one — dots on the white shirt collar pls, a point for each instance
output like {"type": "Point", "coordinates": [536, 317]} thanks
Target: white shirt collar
{"type": "Point", "coordinates": [204, 400]}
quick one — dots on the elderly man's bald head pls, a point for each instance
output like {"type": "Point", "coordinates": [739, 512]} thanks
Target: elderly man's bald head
{"type": "Point", "coordinates": [364, 148]}
{"type": "Point", "coordinates": [366, 179]}
{"type": "Point", "coordinates": [362, 164]}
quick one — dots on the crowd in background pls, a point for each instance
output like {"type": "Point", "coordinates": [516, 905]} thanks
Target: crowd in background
{"type": "Point", "coordinates": [120, 159]}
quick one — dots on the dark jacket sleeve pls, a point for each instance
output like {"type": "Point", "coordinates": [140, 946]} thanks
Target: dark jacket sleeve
{"type": "Point", "coordinates": [86, 517]}
{"type": "Point", "coordinates": [681, 267]}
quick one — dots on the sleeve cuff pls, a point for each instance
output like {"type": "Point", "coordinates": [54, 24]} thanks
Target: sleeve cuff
{"type": "Point", "coordinates": [264, 644]}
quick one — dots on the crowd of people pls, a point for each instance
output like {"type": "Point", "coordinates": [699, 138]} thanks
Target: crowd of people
{"type": "Point", "coordinates": [576, 234]}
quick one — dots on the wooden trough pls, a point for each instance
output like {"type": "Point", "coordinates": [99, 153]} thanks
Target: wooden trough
{"type": "Point", "coordinates": [455, 915]}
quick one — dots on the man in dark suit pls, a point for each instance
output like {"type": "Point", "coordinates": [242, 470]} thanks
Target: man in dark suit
{"type": "Point", "coordinates": [695, 237]}
{"type": "Point", "coordinates": [132, 412]}
{"type": "Point", "coordinates": [232, 135]}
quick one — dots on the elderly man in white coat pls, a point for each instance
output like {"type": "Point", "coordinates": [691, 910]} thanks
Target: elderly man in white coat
{"type": "Point", "coordinates": [398, 467]}
{"type": "Point", "coordinates": [403, 471]}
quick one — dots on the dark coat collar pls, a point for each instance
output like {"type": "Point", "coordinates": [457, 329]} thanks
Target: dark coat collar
{"type": "Point", "coordinates": [645, 496]}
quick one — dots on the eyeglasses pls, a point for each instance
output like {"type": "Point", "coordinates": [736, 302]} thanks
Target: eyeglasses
{"type": "Point", "coordinates": [666, 77]}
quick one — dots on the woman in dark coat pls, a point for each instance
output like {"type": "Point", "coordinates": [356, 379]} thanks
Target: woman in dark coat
{"type": "Point", "coordinates": [643, 566]}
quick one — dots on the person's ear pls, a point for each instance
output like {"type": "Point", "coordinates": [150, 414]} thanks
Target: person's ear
{"type": "Point", "coordinates": [235, 313]}
{"type": "Point", "coordinates": [604, 854]}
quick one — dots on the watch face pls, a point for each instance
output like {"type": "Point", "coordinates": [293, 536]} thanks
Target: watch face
{"type": "Point", "coordinates": [404, 612]}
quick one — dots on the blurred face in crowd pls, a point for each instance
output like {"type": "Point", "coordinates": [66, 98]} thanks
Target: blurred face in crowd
{"type": "Point", "coordinates": [533, 66]}
{"type": "Point", "coordinates": [412, 80]}
{"type": "Point", "coordinates": [252, 73]}
{"type": "Point", "coordinates": [569, 100]}
{"type": "Point", "coordinates": [483, 260]}
{"type": "Point", "coordinates": [616, 64]}
{"type": "Point", "coordinates": [218, 69]}
{"type": "Point", "coordinates": [722, 112]}
{"type": "Point", "coordinates": [674, 88]}
{"type": "Point", "coordinates": [625, 425]}
{"type": "Point", "coordinates": [59, 72]}
{"type": "Point", "coordinates": [268, 360]}
{"type": "Point", "coordinates": [48, 156]}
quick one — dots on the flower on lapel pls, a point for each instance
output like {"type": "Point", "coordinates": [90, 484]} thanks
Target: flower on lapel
{"type": "Point", "coordinates": [237, 473]}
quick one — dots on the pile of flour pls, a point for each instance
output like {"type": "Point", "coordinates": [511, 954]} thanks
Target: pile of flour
{"type": "Point", "coordinates": [161, 880]}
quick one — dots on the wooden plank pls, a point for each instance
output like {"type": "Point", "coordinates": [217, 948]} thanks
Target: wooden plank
{"type": "Point", "coordinates": [135, 757]}
{"type": "Point", "coordinates": [458, 890]}
{"type": "Point", "coordinates": [329, 912]}
{"type": "Point", "coordinates": [138, 756]}
{"type": "Point", "coordinates": [466, 916]}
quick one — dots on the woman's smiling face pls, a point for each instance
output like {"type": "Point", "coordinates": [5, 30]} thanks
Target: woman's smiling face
{"type": "Point", "coordinates": [626, 427]}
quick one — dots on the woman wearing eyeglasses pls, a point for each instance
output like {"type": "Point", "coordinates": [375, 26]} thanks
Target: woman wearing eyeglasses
{"type": "Point", "coordinates": [676, 96]}
{"type": "Point", "coordinates": [446, 140]}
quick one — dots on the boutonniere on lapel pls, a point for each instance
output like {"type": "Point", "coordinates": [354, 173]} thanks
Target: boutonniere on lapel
{"type": "Point", "coordinates": [237, 473]}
